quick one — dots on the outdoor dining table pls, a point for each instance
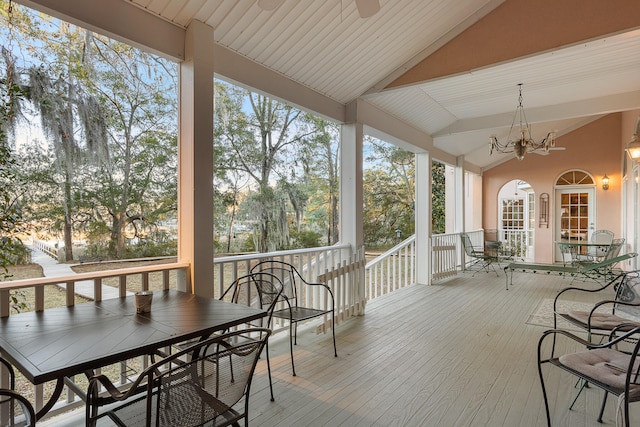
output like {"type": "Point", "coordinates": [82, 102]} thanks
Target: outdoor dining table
{"type": "Point", "coordinates": [577, 247]}
{"type": "Point", "coordinates": [61, 342]}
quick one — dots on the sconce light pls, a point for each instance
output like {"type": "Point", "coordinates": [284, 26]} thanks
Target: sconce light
{"type": "Point", "coordinates": [605, 182]}
{"type": "Point", "coordinates": [398, 233]}
{"type": "Point", "coordinates": [633, 147]}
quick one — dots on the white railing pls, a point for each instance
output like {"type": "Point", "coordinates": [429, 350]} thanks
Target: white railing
{"type": "Point", "coordinates": [515, 242]}
{"type": "Point", "coordinates": [47, 248]}
{"type": "Point", "coordinates": [346, 281]}
{"type": "Point", "coordinates": [335, 263]}
{"type": "Point", "coordinates": [445, 257]}
{"type": "Point", "coordinates": [392, 270]}
{"type": "Point", "coordinates": [396, 267]}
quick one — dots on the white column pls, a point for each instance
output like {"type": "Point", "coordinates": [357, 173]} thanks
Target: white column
{"type": "Point", "coordinates": [351, 184]}
{"type": "Point", "coordinates": [195, 159]}
{"type": "Point", "coordinates": [460, 190]}
{"type": "Point", "coordinates": [423, 218]}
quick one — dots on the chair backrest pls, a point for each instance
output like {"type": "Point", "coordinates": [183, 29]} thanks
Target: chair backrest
{"type": "Point", "coordinates": [614, 249]}
{"type": "Point", "coordinates": [467, 245]}
{"type": "Point", "coordinates": [604, 237]}
{"type": "Point", "coordinates": [197, 385]}
{"type": "Point", "coordinates": [15, 409]}
{"type": "Point", "coordinates": [289, 276]}
{"type": "Point", "coordinates": [260, 290]}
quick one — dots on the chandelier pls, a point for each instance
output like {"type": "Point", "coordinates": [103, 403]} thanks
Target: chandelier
{"type": "Point", "coordinates": [521, 143]}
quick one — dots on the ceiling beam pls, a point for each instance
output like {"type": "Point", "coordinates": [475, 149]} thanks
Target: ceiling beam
{"type": "Point", "coordinates": [570, 110]}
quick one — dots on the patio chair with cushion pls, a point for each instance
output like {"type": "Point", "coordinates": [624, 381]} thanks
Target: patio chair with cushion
{"type": "Point", "coordinates": [260, 290]}
{"type": "Point", "coordinates": [15, 409]}
{"type": "Point", "coordinates": [296, 292]}
{"type": "Point", "coordinates": [480, 259]}
{"type": "Point", "coordinates": [203, 384]}
{"type": "Point", "coordinates": [600, 365]}
{"type": "Point", "coordinates": [620, 304]}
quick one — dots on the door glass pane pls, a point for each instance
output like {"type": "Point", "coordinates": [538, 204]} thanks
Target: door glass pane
{"type": "Point", "coordinates": [574, 219]}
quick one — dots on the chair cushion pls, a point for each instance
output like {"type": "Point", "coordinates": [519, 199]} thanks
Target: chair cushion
{"type": "Point", "coordinates": [606, 366]}
{"type": "Point", "coordinates": [602, 321]}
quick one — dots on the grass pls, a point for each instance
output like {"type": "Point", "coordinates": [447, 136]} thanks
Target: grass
{"type": "Point", "coordinates": [134, 283]}
{"type": "Point", "coordinates": [53, 295]}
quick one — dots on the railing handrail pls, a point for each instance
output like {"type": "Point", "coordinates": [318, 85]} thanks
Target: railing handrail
{"type": "Point", "coordinates": [275, 254]}
{"type": "Point", "coordinates": [43, 281]}
{"type": "Point", "coordinates": [380, 258]}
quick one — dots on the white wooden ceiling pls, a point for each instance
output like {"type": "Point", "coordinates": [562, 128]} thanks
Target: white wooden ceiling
{"type": "Point", "coordinates": [325, 46]}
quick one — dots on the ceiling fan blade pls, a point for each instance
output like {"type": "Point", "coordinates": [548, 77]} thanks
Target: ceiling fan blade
{"type": "Point", "coordinates": [546, 153]}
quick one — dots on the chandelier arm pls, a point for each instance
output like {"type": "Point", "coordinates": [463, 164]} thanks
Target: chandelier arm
{"type": "Point", "coordinates": [524, 143]}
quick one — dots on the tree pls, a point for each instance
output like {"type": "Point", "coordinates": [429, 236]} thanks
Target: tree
{"type": "Point", "coordinates": [69, 116]}
{"type": "Point", "coordinates": [137, 179]}
{"type": "Point", "coordinates": [108, 112]}
{"type": "Point", "coordinates": [389, 194]}
{"type": "Point", "coordinates": [259, 134]}
{"type": "Point", "coordinates": [10, 209]}
{"type": "Point", "coordinates": [438, 214]}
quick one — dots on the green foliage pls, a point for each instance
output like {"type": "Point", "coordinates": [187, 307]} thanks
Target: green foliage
{"type": "Point", "coordinates": [272, 163]}
{"type": "Point", "coordinates": [438, 214]}
{"type": "Point", "coordinates": [12, 251]}
{"type": "Point", "coordinates": [149, 248]}
{"type": "Point", "coordinates": [305, 239]}
{"type": "Point", "coordinates": [389, 195]}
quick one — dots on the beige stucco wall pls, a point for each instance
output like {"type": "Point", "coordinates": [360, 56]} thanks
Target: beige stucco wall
{"type": "Point", "coordinates": [596, 148]}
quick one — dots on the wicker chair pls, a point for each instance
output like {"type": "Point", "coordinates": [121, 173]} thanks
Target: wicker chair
{"type": "Point", "coordinates": [15, 409]}
{"type": "Point", "coordinates": [203, 384]}
{"type": "Point", "coordinates": [295, 312]}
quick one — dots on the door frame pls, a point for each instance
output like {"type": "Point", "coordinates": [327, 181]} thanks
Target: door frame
{"type": "Point", "coordinates": [590, 189]}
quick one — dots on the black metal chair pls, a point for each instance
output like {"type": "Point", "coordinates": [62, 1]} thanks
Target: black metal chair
{"type": "Point", "coordinates": [620, 311]}
{"type": "Point", "coordinates": [15, 409]}
{"type": "Point", "coordinates": [619, 297]}
{"type": "Point", "coordinates": [481, 260]}
{"type": "Point", "coordinates": [601, 365]}
{"type": "Point", "coordinates": [296, 290]}
{"type": "Point", "coordinates": [261, 290]}
{"type": "Point", "coordinates": [202, 384]}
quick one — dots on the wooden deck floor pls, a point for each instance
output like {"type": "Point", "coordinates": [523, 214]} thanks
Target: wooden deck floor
{"type": "Point", "coordinates": [458, 353]}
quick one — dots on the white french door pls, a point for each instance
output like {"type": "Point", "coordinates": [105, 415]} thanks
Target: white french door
{"type": "Point", "coordinates": [575, 209]}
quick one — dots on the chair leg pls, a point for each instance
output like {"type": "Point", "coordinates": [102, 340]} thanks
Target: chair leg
{"type": "Point", "coordinates": [291, 333]}
{"type": "Point", "coordinates": [269, 370]}
{"type": "Point", "coordinates": [333, 330]}
{"type": "Point", "coordinates": [583, 384]}
{"type": "Point", "coordinates": [544, 390]}
{"type": "Point", "coordinates": [604, 402]}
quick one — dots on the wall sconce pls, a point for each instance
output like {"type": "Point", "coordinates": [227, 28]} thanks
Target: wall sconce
{"type": "Point", "coordinates": [605, 182]}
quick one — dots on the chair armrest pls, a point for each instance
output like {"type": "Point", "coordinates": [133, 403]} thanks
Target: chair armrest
{"type": "Point", "coordinates": [613, 340]}
{"type": "Point", "coordinates": [573, 288]}
{"type": "Point", "coordinates": [12, 373]}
